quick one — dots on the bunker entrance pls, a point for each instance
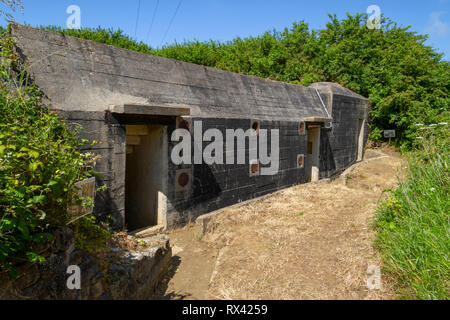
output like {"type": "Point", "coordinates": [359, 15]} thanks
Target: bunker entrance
{"type": "Point", "coordinates": [147, 161]}
{"type": "Point", "coordinates": [146, 176]}
{"type": "Point", "coordinates": [313, 149]}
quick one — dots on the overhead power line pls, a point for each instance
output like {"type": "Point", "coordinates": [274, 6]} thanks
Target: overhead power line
{"type": "Point", "coordinates": [137, 17]}
{"type": "Point", "coordinates": [171, 21]}
{"type": "Point", "coordinates": [153, 20]}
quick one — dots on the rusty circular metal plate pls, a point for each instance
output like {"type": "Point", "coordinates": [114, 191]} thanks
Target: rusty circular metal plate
{"type": "Point", "coordinates": [301, 128]}
{"type": "Point", "coordinates": [183, 179]}
{"type": "Point", "coordinates": [300, 161]}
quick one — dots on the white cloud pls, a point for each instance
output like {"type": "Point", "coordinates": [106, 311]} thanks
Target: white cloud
{"type": "Point", "coordinates": [436, 26]}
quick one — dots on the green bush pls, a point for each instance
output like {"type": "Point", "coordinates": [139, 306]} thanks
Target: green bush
{"type": "Point", "coordinates": [39, 165]}
{"type": "Point", "coordinates": [413, 223]}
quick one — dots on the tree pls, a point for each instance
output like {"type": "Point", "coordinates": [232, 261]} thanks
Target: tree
{"type": "Point", "coordinates": [12, 5]}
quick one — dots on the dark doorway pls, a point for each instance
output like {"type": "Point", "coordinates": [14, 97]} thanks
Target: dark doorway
{"type": "Point", "coordinates": [146, 176]}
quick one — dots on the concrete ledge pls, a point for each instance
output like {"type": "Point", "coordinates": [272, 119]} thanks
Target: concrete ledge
{"type": "Point", "coordinates": [147, 232]}
{"type": "Point", "coordinates": [133, 140]}
{"type": "Point", "coordinates": [149, 110]}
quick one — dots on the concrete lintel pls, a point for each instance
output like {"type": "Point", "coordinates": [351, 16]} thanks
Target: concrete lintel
{"type": "Point", "coordinates": [149, 110]}
{"type": "Point", "coordinates": [318, 119]}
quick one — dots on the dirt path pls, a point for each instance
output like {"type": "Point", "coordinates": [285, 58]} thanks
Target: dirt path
{"type": "Point", "coordinates": [311, 241]}
{"type": "Point", "coordinates": [193, 263]}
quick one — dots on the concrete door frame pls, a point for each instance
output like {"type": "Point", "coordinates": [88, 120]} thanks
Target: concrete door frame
{"type": "Point", "coordinates": [313, 152]}
{"type": "Point", "coordinates": [151, 143]}
{"type": "Point", "coordinates": [162, 194]}
{"type": "Point", "coordinates": [150, 114]}
{"type": "Point", "coordinates": [360, 137]}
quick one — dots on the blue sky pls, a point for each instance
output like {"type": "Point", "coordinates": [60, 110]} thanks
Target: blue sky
{"type": "Point", "coordinates": [226, 19]}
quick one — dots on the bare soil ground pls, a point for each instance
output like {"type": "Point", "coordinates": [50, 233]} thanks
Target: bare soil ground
{"type": "Point", "coordinates": [311, 241]}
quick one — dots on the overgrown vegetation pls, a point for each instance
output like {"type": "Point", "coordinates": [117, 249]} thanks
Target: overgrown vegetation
{"type": "Point", "coordinates": [112, 37]}
{"type": "Point", "coordinates": [413, 223]}
{"type": "Point", "coordinates": [407, 81]}
{"type": "Point", "coordinates": [95, 240]}
{"type": "Point", "coordinates": [11, 5]}
{"type": "Point", "coordinates": [91, 237]}
{"type": "Point", "coordinates": [39, 165]}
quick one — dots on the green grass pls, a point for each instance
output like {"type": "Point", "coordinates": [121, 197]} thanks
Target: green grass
{"type": "Point", "coordinates": [413, 225]}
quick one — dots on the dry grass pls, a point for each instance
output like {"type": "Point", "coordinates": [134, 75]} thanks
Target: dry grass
{"type": "Point", "coordinates": [308, 242]}
{"type": "Point", "coordinates": [122, 241]}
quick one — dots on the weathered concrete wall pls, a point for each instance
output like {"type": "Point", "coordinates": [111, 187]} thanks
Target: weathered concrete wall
{"type": "Point", "coordinates": [77, 74]}
{"type": "Point", "coordinates": [135, 276]}
{"type": "Point", "coordinates": [339, 144]}
{"type": "Point", "coordinates": [100, 126]}
{"type": "Point", "coordinates": [216, 186]}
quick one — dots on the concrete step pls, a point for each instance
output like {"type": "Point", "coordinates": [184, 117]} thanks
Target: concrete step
{"type": "Point", "coordinates": [133, 140]}
{"type": "Point", "coordinates": [147, 232]}
{"type": "Point", "coordinates": [137, 130]}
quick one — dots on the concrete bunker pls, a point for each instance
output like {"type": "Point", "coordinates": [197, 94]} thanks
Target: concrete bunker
{"type": "Point", "coordinates": [132, 102]}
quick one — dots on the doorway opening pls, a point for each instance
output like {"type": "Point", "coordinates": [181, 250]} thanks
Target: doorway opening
{"type": "Point", "coordinates": [146, 176]}
{"type": "Point", "coordinates": [361, 123]}
{"type": "Point", "coordinates": [313, 151]}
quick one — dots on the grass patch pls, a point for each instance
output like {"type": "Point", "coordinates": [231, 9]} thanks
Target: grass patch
{"type": "Point", "coordinates": [413, 224]}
